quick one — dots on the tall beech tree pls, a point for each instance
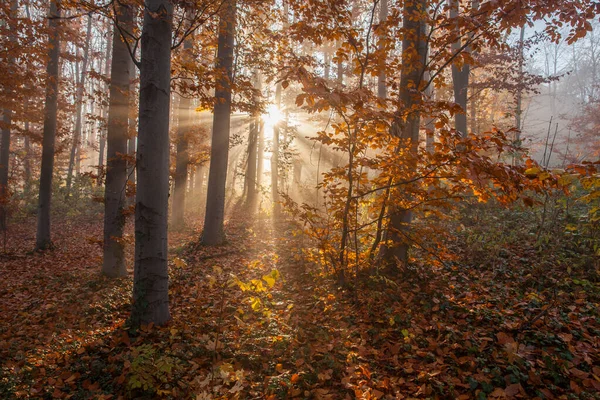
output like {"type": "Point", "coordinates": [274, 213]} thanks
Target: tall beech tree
{"type": "Point", "coordinates": [103, 109]}
{"type": "Point", "coordinates": [151, 278]}
{"type": "Point", "coordinates": [214, 233]}
{"type": "Point", "coordinates": [460, 73]}
{"type": "Point", "coordinates": [381, 77]}
{"type": "Point", "coordinates": [6, 129]}
{"type": "Point", "coordinates": [407, 121]}
{"type": "Point", "coordinates": [117, 134]}
{"type": "Point", "coordinates": [43, 239]}
{"type": "Point", "coordinates": [275, 157]}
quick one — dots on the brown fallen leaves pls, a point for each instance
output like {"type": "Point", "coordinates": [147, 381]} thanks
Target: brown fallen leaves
{"type": "Point", "coordinates": [450, 333]}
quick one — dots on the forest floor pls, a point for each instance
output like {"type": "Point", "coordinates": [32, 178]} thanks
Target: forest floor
{"type": "Point", "coordinates": [253, 320]}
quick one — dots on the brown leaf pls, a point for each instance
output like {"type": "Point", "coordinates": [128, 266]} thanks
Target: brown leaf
{"type": "Point", "coordinates": [513, 390]}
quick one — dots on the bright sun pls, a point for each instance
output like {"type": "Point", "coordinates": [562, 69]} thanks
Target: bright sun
{"type": "Point", "coordinates": [273, 115]}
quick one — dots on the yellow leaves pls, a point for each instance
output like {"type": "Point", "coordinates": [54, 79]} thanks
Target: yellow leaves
{"type": "Point", "coordinates": [566, 179]}
{"type": "Point", "coordinates": [270, 280]}
{"type": "Point", "coordinates": [255, 303]}
{"type": "Point", "coordinates": [591, 196]}
{"type": "Point", "coordinates": [179, 263]}
{"type": "Point", "coordinates": [543, 176]}
{"type": "Point", "coordinates": [256, 285]}
{"type": "Point", "coordinates": [532, 172]}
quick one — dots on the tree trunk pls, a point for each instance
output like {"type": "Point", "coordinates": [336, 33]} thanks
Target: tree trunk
{"type": "Point", "coordinates": [102, 134]}
{"type": "Point", "coordinates": [275, 159]}
{"type": "Point", "coordinates": [131, 143]}
{"type": "Point", "coordinates": [460, 77]}
{"type": "Point", "coordinates": [340, 67]}
{"type": "Point", "coordinates": [250, 179]}
{"type": "Point", "coordinates": [519, 110]}
{"type": "Point", "coordinates": [43, 240]}
{"type": "Point", "coordinates": [215, 203]}
{"type": "Point", "coordinates": [182, 158]}
{"type": "Point", "coordinates": [430, 123]}
{"type": "Point", "coordinates": [327, 64]}
{"type": "Point", "coordinates": [5, 139]}
{"type": "Point", "coordinates": [406, 126]}
{"type": "Point", "coordinates": [76, 145]}
{"type": "Point", "coordinates": [27, 140]}
{"type": "Point", "coordinates": [381, 78]}
{"type": "Point", "coordinates": [199, 184]}
{"type": "Point", "coordinates": [151, 278]}
{"type": "Point", "coordinates": [27, 158]}
{"type": "Point", "coordinates": [260, 155]}
{"type": "Point", "coordinates": [116, 163]}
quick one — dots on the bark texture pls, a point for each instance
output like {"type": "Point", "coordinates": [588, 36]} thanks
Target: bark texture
{"type": "Point", "coordinates": [116, 166]}
{"type": "Point", "coordinates": [381, 78]}
{"type": "Point", "coordinates": [275, 158]}
{"type": "Point", "coordinates": [151, 278]}
{"type": "Point", "coordinates": [5, 138]}
{"type": "Point", "coordinates": [43, 239]}
{"type": "Point", "coordinates": [103, 111]}
{"type": "Point", "coordinates": [215, 202]}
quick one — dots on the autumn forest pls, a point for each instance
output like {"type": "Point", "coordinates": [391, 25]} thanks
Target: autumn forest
{"type": "Point", "coordinates": [309, 199]}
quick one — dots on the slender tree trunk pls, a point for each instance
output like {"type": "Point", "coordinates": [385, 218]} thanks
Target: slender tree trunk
{"type": "Point", "coordinates": [76, 145]}
{"type": "Point", "coordinates": [430, 123]}
{"type": "Point", "coordinates": [381, 78]}
{"type": "Point", "coordinates": [116, 163]}
{"type": "Point", "coordinates": [519, 109]}
{"type": "Point", "coordinates": [327, 64]}
{"type": "Point", "coordinates": [91, 135]}
{"type": "Point", "coordinates": [5, 138]}
{"type": "Point", "coordinates": [151, 278]}
{"type": "Point", "coordinates": [473, 104]}
{"type": "Point", "coordinates": [182, 158]}
{"type": "Point", "coordinates": [215, 203]}
{"type": "Point", "coordinates": [27, 140]}
{"type": "Point", "coordinates": [340, 68]}
{"type": "Point", "coordinates": [43, 240]}
{"type": "Point", "coordinates": [131, 143]}
{"type": "Point", "coordinates": [460, 76]}
{"type": "Point", "coordinates": [199, 184]}
{"type": "Point", "coordinates": [275, 158]}
{"type": "Point", "coordinates": [397, 234]}
{"type": "Point", "coordinates": [260, 155]}
{"type": "Point", "coordinates": [102, 133]}
{"type": "Point", "coordinates": [250, 179]}
{"type": "Point", "coordinates": [101, 150]}
{"type": "Point", "coordinates": [27, 158]}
